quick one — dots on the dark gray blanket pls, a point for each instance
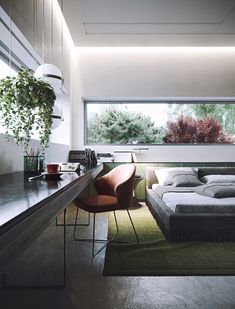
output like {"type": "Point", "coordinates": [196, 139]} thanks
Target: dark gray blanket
{"type": "Point", "coordinates": [216, 190]}
{"type": "Point", "coordinates": [211, 190]}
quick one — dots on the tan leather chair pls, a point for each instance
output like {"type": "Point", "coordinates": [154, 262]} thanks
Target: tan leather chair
{"type": "Point", "coordinates": [114, 192]}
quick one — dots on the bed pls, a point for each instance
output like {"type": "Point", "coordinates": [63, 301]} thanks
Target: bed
{"type": "Point", "coordinates": [193, 204]}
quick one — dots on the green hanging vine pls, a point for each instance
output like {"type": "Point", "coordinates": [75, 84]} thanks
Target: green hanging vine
{"type": "Point", "coordinates": [26, 106]}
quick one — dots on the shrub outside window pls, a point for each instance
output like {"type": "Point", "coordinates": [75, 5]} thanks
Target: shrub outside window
{"type": "Point", "coordinates": [159, 123]}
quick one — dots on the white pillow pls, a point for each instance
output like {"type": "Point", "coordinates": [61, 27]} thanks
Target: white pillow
{"type": "Point", "coordinates": [218, 179]}
{"type": "Point", "coordinates": [164, 175]}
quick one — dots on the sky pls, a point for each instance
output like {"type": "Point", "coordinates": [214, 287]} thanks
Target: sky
{"type": "Point", "coordinates": [157, 111]}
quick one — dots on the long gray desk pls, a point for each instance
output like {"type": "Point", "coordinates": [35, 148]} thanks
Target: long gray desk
{"type": "Point", "coordinates": [28, 207]}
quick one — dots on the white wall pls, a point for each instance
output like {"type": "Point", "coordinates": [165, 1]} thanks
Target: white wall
{"type": "Point", "coordinates": [12, 156]}
{"type": "Point", "coordinates": [77, 117]}
{"type": "Point", "coordinates": [154, 72]}
{"type": "Point", "coordinates": [54, 45]}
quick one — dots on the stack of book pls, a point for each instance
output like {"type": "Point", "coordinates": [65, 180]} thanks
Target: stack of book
{"type": "Point", "coordinates": [104, 157]}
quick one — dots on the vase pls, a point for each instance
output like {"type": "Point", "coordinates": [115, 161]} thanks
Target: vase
{"type": "Point", "coordinates": [33, 164]}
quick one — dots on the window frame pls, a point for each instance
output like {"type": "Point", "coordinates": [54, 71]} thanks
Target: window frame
{"type": "Point", "coordinates": [152, 100]}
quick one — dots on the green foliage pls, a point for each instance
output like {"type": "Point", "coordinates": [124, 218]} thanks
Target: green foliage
{"type": "Point", "coordinates": [26, 104]}
{"type": "Point", "coordinates": [117, 125]}
{"type": "Point", "coordinates": [224, 113]}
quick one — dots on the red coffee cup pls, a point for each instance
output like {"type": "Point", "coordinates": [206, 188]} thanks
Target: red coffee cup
{"type": "Point", "coordinates": [53, 168]}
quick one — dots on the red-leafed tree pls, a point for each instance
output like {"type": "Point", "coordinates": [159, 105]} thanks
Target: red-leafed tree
{"type": "Point", "coordinates": [187, 130]}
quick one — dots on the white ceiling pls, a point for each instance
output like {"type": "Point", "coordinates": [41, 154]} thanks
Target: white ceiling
{"type": "Point", "coordinates": [151, 22]}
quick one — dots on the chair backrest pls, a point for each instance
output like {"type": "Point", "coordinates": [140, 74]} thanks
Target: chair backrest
{"type": "Point", "coordinates": [118, 182]}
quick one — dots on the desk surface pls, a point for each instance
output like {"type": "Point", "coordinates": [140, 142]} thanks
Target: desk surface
{"type": "Point", "coordinates": [27, 207]}
{"type": "Point", "coordinates": [19, 195]}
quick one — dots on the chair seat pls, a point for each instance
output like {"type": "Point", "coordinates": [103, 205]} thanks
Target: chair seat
{"type": "Point", "coordinates": [98, 203]}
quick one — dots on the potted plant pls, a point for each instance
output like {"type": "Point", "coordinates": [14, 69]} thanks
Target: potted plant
{"type": "Point", "coordinates": [26, 106]}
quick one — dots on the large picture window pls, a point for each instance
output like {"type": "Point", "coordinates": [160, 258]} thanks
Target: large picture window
{"type": "Point", "coordinates": [157, 123]}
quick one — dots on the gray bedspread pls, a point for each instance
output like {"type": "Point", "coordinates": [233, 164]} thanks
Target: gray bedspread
{"type": "Point", "coordinates": [161, 190]}
{"type": "Point", "coordinates": [188, 200]}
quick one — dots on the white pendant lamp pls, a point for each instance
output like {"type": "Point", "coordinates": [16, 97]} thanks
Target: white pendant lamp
{"type": "Point", "coordinates": [51, 74]}
{"type": "Point", "coordinates": [57, 117]}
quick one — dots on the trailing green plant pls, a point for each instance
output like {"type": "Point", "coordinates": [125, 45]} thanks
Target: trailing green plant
{"type": "Point", "coordinates": [26, 106]}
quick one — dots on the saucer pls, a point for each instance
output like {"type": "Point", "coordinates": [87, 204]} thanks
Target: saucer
{"type": "Point", "coordinates": [52, 176]}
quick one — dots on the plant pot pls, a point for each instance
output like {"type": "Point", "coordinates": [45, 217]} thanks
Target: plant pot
{"type": "Point", "coordinates": [33, 164]}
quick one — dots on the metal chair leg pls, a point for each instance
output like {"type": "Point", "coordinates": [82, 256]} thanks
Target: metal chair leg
{"type": "Point", "coordinates": [137, 238]}
{"type": "Point", "coordinates": [115, 218]}
{"type": "Point", "coordinates": [94, 240]}
{"type": "Point", "coordinates": [94, 254]}
{"type": "Point", "coordinates": [78, 224]}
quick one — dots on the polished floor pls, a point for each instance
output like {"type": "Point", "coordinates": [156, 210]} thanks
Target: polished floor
{"type": "Point", "coordinates": [86, 287]}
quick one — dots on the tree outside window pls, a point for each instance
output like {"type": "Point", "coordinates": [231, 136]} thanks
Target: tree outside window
{"type": "Point", "coordinates": [165, 123]}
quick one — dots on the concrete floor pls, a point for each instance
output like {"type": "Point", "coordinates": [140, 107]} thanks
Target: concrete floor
{"type": "Point", "coordinates": [86, 287]}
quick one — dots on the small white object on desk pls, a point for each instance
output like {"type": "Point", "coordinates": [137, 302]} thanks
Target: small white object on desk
{"type": "Point", "coordinates": [69, 167]}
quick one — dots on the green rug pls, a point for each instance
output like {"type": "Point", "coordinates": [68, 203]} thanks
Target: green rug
{"type": "Point", "coordinates": [155, 256]}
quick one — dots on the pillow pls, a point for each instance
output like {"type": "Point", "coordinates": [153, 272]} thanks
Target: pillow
{"type": "Point", "coordinates": [217, 190]}
{"type": "Point", "coordinates": [164, 175]}
{"type": "Point", "coordinates": [218, 179]}
{"type": "Point", "coordinates": [186, 180]}
{"type": "Point", "coordinates": [203, 171]}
